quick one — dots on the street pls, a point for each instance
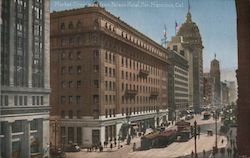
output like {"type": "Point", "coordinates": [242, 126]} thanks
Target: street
{"type": "Point", "coordinates": [176, 149]}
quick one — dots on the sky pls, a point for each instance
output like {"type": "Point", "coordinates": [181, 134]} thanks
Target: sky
{"type": "Point", "coordinates": [216, 20]}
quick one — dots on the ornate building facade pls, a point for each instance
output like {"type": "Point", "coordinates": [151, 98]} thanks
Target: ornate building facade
{"type": "Point", "coordinates": [25, 87]}
{"type": "Point", "coordinates": [188, 41]}
{"type": "Point", "coordinates": [105, 76]}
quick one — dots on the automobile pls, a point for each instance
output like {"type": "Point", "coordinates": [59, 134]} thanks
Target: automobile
{"type": "Point", "coordinates": [72, 148]}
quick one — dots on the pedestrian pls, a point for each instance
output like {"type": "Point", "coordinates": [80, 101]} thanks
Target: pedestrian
{"type": "Point", "coordinates": [115, 143]}
{"type": "Point", "coordinates": [228, 151]}
{"type": "Point", "coordinates": [134, 146]}
{"type": "Point", "coordinates": [222, 141]}
{"type": "Point", "coordinates": [204, 153]}
{"type": "Point", "coordinates": [111, 146]}
{"type": "Point", "coordinates": [192, 154]}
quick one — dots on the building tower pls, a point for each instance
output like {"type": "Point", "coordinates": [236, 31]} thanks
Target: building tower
{"type": "Point", "coordinates": [215, 72]}
{"type": "Point", "coordinates": [25, 87]}
{"type": "Point", "coordinates": [189, 43]}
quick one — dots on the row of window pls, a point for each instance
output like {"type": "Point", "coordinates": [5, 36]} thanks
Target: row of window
{"type": "Point", "coordinates": [71, 70]}
{"type": "Point", "coordinates": [135, 65]}
{"type": "Point", "coordinates": [137, 110]}
{"type": "Point", "coordinates": [181, 77]}
{"type": "Point", "coordinates": [110, 57]}
{"type": "Point", "coordinates": [110, 85]}
{"type": "Point", "coordinates": [71, 55]}
{"type": "Point", "coordinates": [76, 99]}
{"type": "Point", "coordinates": [129, 111]}
{"type": "Point", "coordinates": [110, 99]}
{"type": "Point", "coordinates": [181, 71]}
{"type": "Point", "coordinates": [70, 114]}
{"type": "Point", "coordinates": [140, 89]}
{"type": "Point", "coordinates": [71, 84]}
{"type": "Point", "coordinates": [110, 72]}
{"type": "Point", "coordinates": [71, 25]}
{"type": "Point", "coordinates": [139, 100]}
{"type": "Point", "coordinates": [134, 40]}
{"type": "Point", "coordinates": [22, 100]}
{"type": "Point", "coordinates": [135, 77]}
{"type": "Point", "coordinates": [70, 99]}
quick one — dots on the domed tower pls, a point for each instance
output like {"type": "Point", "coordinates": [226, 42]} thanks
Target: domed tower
{"type": "Point", "coordinates": [188, 42]}
{"type": "Point", "coordinates": [215, 72]}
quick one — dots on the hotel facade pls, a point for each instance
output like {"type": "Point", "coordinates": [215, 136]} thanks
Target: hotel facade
{"type": "Point", "coordinates": [105, 75]}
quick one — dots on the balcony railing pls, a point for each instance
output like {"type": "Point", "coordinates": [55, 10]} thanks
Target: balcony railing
{"type": "Point", "coordinates": [130, 92]}
{"type": "Point", "coordinates": [154, 94]}
{"type": "Point", "coordinates": [143, 73]}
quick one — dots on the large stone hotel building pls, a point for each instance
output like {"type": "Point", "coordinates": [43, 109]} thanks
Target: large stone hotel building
{"type": "Point", "coordinates": [25, 87]}
{"type": "Point", "coordinates": [105, 75]}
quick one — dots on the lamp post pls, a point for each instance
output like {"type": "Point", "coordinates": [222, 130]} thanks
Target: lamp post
{"type": "Point", "coordinates": [216, 134]}
{"type": "Point", "coordinates": [55, 124]}
{"type": "Point", "coordinates": [195, 137]}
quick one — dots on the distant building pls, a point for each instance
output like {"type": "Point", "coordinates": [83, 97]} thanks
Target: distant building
{"type": "Point", "coordinates": [232, 91]}
{"type": "Point", "coordinates": [224, 94]}
{"type": "Point", "coordinates": [105, 75]}
{"type": "Point", "coordinates": [215, 73]}
{"type": "Point", "coordinates": [208, 93]}
{"type": "Point", "coordinates": [25, 87]}
{"type": "Point", "coordinates": [188, 42]}
{"type": "Point", "coordinates": [177, 84]}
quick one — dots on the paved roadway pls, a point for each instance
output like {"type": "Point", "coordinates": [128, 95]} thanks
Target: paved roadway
{"type": "Point", "coordinates": [174, 150]}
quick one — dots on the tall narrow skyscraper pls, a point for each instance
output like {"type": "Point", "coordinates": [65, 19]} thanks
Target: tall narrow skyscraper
{"type": "Point", "coordinates": [25, 88]}
{"type": "Point", "coordinates": [215, 73]}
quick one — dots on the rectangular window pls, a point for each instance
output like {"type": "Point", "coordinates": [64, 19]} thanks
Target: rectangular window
{"type": "Point", "coordinates": [78, 98]}
{"type": "Point", "coordinates": [33, 100]}
{"type": "Point", "coordinates": [25, 100]}
{"type": "Point", "coordinates": [106, 113]}
{"type": "Point", "coordinates": [79, 69]}
{"type": "Point", "coordinates": [20, 100]}
{"type": "Point", "coordinates": [70, 84]}
{"type": "Point", "coordinates": [37, 100]}
{"type": "Point", "coordinates": [96, 98]}
{"type": "Point", "coordinates": [63, 99]}
{"type": "Point", "coordinates": [70, 70]}
{"type": "Point", "coordinates": [96, 83]}
{"type": "Point", "coordinates": [2, 102]}
{"type": "Point", "coordinates": [96, 68]}
{"type": "Point", "coordinates": [70, 99]}
{"type": "Point", "coordinates": [6, 100]}
{"type": "Point", "coordinates": [78, 84]}
{"type": "Point", "coordinates": [41, 100]}
{"type": "Point", "coordinates": [15, 100]}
